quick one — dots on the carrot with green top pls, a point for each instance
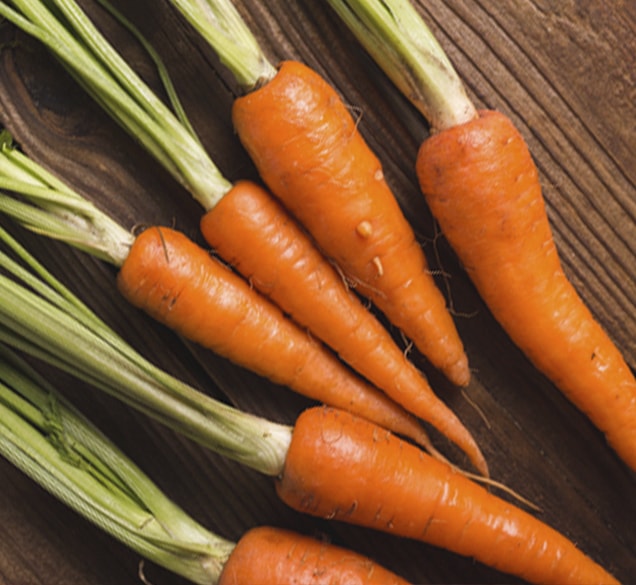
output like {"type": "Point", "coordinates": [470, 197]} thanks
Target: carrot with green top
{"type": "Point", "coordinates": [481, 184]}
{"type": "Point", "coordinates": [317, 299]}
{"type": "Point", "coordinates": [309, 151]}
{"type": "Point", "coordinates": [330, 463]}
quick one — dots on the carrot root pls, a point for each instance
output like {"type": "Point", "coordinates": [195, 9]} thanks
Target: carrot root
{"type": "Point", "coordinates": [308, 149]}
{"type": "Point", "coordinates": [378, 481]}
{"type": "Point", "coordinates": [278, 557]}
{"type": "Point", "coordinates": [482, 186]}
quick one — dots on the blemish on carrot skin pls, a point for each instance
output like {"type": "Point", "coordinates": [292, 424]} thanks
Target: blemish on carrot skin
{"type": "Point", "coordinates": [378, 265]}
{"type": "Point", "coordinates": [364, 229]}
{"type": "Point", "coordinates": [378, 175]}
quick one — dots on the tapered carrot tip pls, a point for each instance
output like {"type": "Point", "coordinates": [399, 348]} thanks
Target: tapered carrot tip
{"type": "Point", "coordinates": [271, 556]}
{"type": "Point", "coordinates": [341, 467]}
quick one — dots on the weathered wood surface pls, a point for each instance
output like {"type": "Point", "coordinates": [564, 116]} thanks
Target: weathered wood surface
{"type": "Point", "coordinates": [564, 71]}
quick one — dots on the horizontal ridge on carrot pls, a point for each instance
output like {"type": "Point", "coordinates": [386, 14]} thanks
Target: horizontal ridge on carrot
{"type": "Point", "coordinates": [176, 146]}
{"type": "Point", "coordinates": [394, 487]}
{"type": "Point", "coordinates": [483, 188]}
{"type": "Point", "coordinates": [307, 148]}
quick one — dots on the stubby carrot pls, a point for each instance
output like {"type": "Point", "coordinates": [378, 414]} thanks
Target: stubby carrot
{"type": "Point", "coordinates": [270, 556]}
{"type": "Point", "coordinates": [482, 185]}
{"type": "Point", "coordinates": [378, 481]}
{"type": "Point", "coordinates": [308, 149]}
{"type": "Point", "coordinates": [483, 188]}
{"type": "Point", "coordinates": [252, 231]}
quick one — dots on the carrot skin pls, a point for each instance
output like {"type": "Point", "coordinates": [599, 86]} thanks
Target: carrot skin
{"type": "Point", "coordinates": [344, 468]}
{"type": "Point", "coordinates": [271, 556]}
{"type": "Point", "coordinates": [483, 187]}
{"type": "Point", "coordinates": [308, 150]}
{"type": "Point", "coordinates": [253, 232]}
{"type": "Point", "coordinates": [181, 285]}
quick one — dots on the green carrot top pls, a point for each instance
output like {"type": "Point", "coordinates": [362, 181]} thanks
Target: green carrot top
{"type": "Point", "coordinates": [397, 37]}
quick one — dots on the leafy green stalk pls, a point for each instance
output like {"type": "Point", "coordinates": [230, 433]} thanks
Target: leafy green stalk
{"type": "Point", "coordinates": [399, 40]}
{"type": "Point", "coordinates": [71, 36]}
{"type": "Point", "coordinates": [43, 435]}
{"type": "Point", "coordinates": [42, 318]}
{"type": "Point", "coordinates": [221, 25]}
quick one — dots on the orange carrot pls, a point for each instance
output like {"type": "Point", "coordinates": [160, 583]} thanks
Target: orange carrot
{"type": "Point", "coordinates": [181, 285]}
{"type": "Point", "coordinates": [483, 187]}
{"type": "Point", "coordinates": [251, 231]}
{"type": "Point", "coordinates": [307, 148]}
{"type": "Point", "coordinates": [273, 556]}
{"type": "Point", "coordinates": [378, 481]}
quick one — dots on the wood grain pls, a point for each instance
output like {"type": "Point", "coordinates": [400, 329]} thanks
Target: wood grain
{"type": "Point", "coordinates": [564, 71]}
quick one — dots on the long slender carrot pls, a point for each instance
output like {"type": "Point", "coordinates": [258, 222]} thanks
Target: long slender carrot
{"type": "Point", "coordinates": [181, 285]}
{"type": "Point", "coordinates": [308, 149]}
{"type": "Point", "coordinates": [483, 187]}
{"type": "Point", "coordinates": [253, 233]}
{"type": "Point", "coordinates": [378, 481]}
{"type": "Point", "coordinates": [273, 556]}
{"type": "Point", "coordinates": [330, 463]}
{"type": "Point", "coordinates": [171, 140]}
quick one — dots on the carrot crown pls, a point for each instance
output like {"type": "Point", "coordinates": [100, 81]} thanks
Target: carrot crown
{"type": "Point", "coordinates": [221, 25]}
{"type": "Point", "coordinates": [71, 36]}
{"type": "Point", "coordinates": [51, 442]}
{"type": "Point", "coordinates": [399, 40]}
{"type": "Point", "coordinates": [42, 318]}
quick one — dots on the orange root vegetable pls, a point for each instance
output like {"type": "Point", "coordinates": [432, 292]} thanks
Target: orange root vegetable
{"type": "Point", "coordinates": [273, 556]}
{"type": "Point", "coordinates": [182, 286]}
{"type": "Point", "coordinates": [251, 231]}
{"type": "Point", "coordinates": [482, 186]}
{"type": "Point", "coordinates": [378, 481]}
{"type": "Point", "coordinates": [307, 148]}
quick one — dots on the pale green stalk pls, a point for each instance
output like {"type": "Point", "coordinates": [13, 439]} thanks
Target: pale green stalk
{"type": "Point", "coordinates": [47, 321]}
{"type": "Point", "coordinates": [221, 25]}
{"type": "Point", "coordinates": [70, 35]}
{"type": "Point", "coordinates": [396, 36]}
{"type": "Point", "coordinates": [43, 435]}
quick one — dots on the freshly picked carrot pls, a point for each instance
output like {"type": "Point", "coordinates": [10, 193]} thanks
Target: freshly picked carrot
{"type": "Point", "coordinates": [482, 186]}
{"type": "Point", "coordinates": [330, 464]}
{"type": "Point", "coordinates": [184, 287]}
{"type": "Point", "coordinates": [255, 235]}
{"type": "Point", "coordinates": [44, 436]}
{"type": "Point", "coordinates": [308, 149]}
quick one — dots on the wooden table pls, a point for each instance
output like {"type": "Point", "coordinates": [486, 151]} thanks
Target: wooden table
{"type": "Point", "coordinates": [564, 71]}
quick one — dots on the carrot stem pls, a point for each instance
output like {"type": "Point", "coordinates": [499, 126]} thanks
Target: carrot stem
{"type": "Point", "coordinates": [71, 36]}
{"type": "Point", "coordinates": [394, 34]}
{"type": "Point", "coordinates": [43, 435]}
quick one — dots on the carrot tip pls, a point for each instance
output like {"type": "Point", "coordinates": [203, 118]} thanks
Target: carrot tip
{"type": "Point", "coordinates": [459, 372]}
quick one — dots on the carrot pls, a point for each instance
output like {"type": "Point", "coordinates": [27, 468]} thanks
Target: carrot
{"type": "Point", "coordinates": [172, 141]}
{"type": "Point", "coordinates": [274, 556]}
{"type": "Point", "coordinates": [253, 233]}
{"type": "Point", "coordinates": [482, 186]}
{"type": "Point", "coordinates": [394, 487]}
{"type": "Point", "coordinates": [184, 287]}
{"type": "Point", "coordinates": [307, 148]}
